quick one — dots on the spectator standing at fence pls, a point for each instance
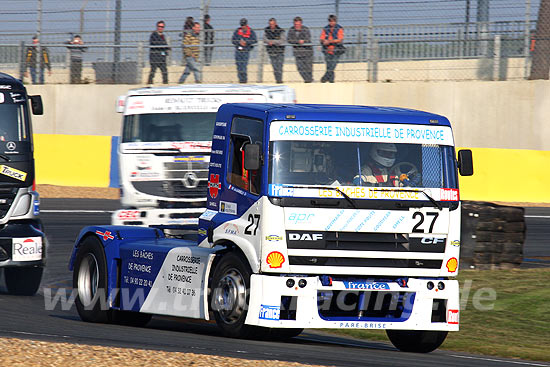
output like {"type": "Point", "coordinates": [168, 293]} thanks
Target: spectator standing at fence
{"type": "Point", "coordinates": [76, 50]}
{"type": "Point", "coordinates": [32, 59]}
{"type": "Point", "coordinates": [188, 25]}
{"type": "Point", "coordinates": [332, 37]}
{"type": "Point", "coordinates": [191, 43]}
{"type": "Point", "coordinates": [208, 40]}
{"type": "Point", "coordinates": [158, 53]}
{"type": "Point", "coordinates": [244, 40]}
{"type": "Point", "coordinates": [274, 38]}
{"type": "Point", "coordinates": [300, 37]}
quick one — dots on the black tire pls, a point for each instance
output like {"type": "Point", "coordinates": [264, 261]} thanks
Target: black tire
{"type": "Point", "coordinates": [23, 281]}
{"type": "Point", "coordinates": [230, 295]}
{"type": "Point", "coordinates": [129, 318]}
{"type": "Point", "coordinates": [90, 281]}
{"type": "Point", "coordinates": [416, 341]}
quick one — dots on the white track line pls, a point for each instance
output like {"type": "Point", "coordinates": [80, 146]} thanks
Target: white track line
{"type": "Point", "coordinates": [537, 216]}
{"type": "Point", "coordinates": [502, 361]}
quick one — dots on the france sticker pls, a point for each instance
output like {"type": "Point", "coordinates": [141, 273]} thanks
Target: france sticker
{"type": "Point", "coordinates": [269, 312]}
{"type": "Point", "coordinates": [367, 285]}
{"type": "Point", "coordinates": [280, 190]}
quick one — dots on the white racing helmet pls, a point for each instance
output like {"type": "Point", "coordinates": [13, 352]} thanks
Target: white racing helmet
{"type": "Point", "coordinates": [384, 154]}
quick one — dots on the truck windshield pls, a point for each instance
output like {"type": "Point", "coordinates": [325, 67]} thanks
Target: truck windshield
{"type": "Point", "coordinates": [168, 127]}
{"type": "Point", "coordinates": [361, 164]}
{"type": "Point", "coordinates": [12, 119]}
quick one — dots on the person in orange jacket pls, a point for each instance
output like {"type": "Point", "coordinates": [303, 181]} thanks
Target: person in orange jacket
{"type": "Point", "coordinates": [332, 38]}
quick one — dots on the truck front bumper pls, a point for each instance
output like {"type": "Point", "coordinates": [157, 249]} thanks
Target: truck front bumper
{"type": "Point", "coordinates": [304, 302]}
{"type": "Point", "coordinates": [22, 245]}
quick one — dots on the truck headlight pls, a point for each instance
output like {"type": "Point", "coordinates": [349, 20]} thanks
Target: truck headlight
{"type": "Point", "coordinates": [23, 205]}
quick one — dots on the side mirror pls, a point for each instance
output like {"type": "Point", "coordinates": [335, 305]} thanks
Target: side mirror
{"type": "Point", "coordinates": [252, 157]}
{"type": "Point", "coordinates": [36, 105]}
{"type": "Point", "coordinates": [465, 162]}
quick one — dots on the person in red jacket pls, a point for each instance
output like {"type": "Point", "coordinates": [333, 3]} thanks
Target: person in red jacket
{"type": "Point", "coordinates": [332, 37]}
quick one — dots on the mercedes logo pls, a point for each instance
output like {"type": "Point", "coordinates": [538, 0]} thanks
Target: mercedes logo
{"type": "Point", "coordinates": [190, 180]}
{"type": "Point", "coordinates": [10, 145]}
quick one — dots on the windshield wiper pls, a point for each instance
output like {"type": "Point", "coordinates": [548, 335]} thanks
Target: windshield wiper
{"type": "Point", "coordinates": [437, 205]}
{"type": "Point", "coordinates": [334, 188]}
{"type": "Point", "coordinates": [5, 157]}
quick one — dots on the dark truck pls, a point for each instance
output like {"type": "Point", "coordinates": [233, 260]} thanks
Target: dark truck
{"type": "Point", "coordinates": [22, 240]}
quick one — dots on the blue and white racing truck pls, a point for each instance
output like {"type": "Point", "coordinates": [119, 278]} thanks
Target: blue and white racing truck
{"type": "Point", "coordinates": [318, 216]}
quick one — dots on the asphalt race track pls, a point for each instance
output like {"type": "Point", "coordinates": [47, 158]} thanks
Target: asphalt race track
{"type": "Point", "coordinates": [27, 317]}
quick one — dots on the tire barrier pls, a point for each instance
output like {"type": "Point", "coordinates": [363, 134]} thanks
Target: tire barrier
{"type": "Point", "coordinates": [492, 236]}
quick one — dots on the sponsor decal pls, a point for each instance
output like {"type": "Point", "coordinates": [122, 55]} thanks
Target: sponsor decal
{"type": "Point", "coordinates": [449, 195]}
{"type": "Point", "coordinates": [191, 158]}
{"type": "Point", "coordinates": [305, 236]}
{"type": "Point", "coordinates": [431, 240]}
{"type": "Point", "coordinates": [191, 145]}
{"type": "Point", "coordinates": [26, 249]}
{"type": "Point", "coordinates": [279, 190]}
{"type": "Point", "coordinates": [107, 235]}
{"type": "Point", "coordinates": [455, 243]}
{"type": "Point", "coordinates": [273, 238]}
{"type": "Point", "coordinates": [202, 231]}
{"type": "Point", "coordinates": [136, 105]}
{"type": "Point", "coordinates": [300, 218]}
{"type": "Point", "coordinates": [214, 185]}
{"type": "Point", "coordinates": [452, 264]}
{"type": "Point", "coordinates": [10, 145]}
{"type": "Point", "coordinates": [452, 317]}
{"type": "Point", "coordinates": [129, 214]}
{"type": "Point", "coordinates": [362, 325]}
{"type": "Point", "coordinates": [269, 312]}
{"type": "Point", "coordinates": [13, 173]}
{"type": "Point", "coordinates": [366, 285]}
{"type": "Point", "coordinates": [275, 260]}
{"type": "Point", "coordinates": [36, 207]}
{"type": "Point", "coordinates": [228, 208]}
{"type": "Point", "coordinates": [230, 228]}
{"type": "Point", "coordinates": [139, 174]}
{"type": "Point", "coordinates": [221, 123]}
{"type": "Point", "coordinates": [208, 214]}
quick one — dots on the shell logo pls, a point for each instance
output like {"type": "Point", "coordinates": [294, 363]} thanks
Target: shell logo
{"type": "Point", "coordinates": [452, 264]}
{"type": "Point", "coordinates": [275, 259]}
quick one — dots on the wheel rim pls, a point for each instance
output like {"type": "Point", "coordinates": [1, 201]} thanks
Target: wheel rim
{"type": "Point", "coordinates": [88, 279]}
{"type": "Point", "coordinates": [230, 296]}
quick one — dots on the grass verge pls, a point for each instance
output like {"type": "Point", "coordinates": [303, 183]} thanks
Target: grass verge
{"type": "Point", "coordinates": [515, 327]}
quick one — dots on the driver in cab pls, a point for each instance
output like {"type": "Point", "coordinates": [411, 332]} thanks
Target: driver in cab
{"type": "Point", "coordinates": [380, 170]}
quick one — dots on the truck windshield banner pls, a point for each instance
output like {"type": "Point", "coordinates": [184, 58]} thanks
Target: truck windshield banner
{"type": "Point", "coordinates": [360, 132]}
{"type": "Point", "coordinates": [136, 105]}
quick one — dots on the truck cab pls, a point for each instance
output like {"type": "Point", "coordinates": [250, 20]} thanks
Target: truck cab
{"type": "Point", "coordinates": [318, 216]}
{"type": "Point", "coordinates": [22, 241]}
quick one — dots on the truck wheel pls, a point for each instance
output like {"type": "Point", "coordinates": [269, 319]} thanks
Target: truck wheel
{"type": "Point", "coordinates": [230, 295]}
{"type": "Point", "coordinates": [23, 281]}
{"type": "Point", "coordinates": [90, 281]}
{"type": "Point", "coordinates": [416, 341]}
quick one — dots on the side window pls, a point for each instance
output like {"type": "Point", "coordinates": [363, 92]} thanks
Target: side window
{"type": "Point", "coordinates": [244, 131]}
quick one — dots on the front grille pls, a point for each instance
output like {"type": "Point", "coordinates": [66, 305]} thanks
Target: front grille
{"type": "Point", "coordinates": [172, 189]}
{"type": "Point", "coordinates": [7, 195]}
{"type": "Point", "coordinates": [365, 262]}
{"type": "Point", "coordinates": [5, 248]}
{"type": "Point", "coordinates": [365, 305]}
{"type": "Point", "coordinates": [352, 241]}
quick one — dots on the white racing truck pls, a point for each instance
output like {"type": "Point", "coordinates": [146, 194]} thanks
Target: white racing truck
{"type": "Point", "coordinates": [164, 150]}
{"type": "Point", "coordinates": [318, 216]}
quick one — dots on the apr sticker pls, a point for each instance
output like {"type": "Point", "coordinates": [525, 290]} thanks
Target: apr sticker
{"type": "Point", "coordinates": [275, 260]}
{"type": "Point", "coordinates": [269, 312]}
{"type": "Point", "coordinates": [13, 173]}
{"type": "Point", "coordinates": [26, 249]}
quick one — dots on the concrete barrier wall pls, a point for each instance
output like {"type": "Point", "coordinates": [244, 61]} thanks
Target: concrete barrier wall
{"type": "Point", "coordinates": [504, 122]}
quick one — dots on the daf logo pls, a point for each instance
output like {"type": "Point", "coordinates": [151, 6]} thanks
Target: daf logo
{"type": "Point", "coordinates": [190, 180]}
{"type": "Point", "coordinates": [305, 236]}
{"type": "Point", "coordinates": [431, 240]}
{"type": "Point", "coordinates": [10, 145]}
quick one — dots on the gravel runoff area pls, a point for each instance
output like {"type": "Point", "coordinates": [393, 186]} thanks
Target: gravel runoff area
{"type": "Point", "coordinates": [51, 191]}
{"type": "Point", "coordinates": [24, 352]}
